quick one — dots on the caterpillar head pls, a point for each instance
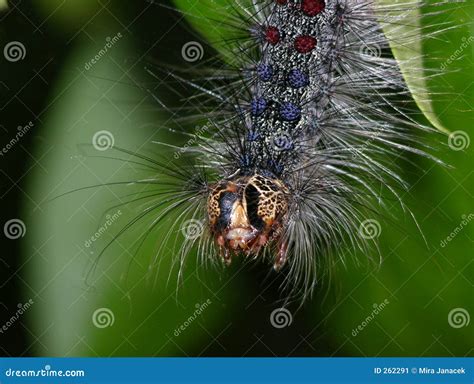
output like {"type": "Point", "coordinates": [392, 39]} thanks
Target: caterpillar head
{"type": "Point", "coordinates": [246, 212]}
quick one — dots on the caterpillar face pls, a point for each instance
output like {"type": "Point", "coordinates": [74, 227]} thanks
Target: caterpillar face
{"type": "Point", "coordinates": [246, 212]}
{"type": "Point", "coordinates": [311, 97]}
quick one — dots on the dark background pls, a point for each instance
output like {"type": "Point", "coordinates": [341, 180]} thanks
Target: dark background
{"type": "Point", "coordinates": [422, 283]}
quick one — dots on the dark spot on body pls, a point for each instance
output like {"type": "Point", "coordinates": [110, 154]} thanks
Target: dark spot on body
{"type": "Point", "coordinates": [252, 197]}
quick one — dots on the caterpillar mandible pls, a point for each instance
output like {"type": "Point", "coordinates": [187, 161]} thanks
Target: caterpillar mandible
{"type": "Point", "coordinates": [309, 115]}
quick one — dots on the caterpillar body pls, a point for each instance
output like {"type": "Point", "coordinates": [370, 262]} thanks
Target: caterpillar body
{"type": "Point", "coordinates": [307, 122]}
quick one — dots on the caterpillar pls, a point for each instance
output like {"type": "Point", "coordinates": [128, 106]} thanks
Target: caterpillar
{"type": "Point", "coordinates": [304, 117]}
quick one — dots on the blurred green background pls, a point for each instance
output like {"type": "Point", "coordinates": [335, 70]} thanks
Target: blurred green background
{"type": "Point", "coordinates": [133, 305]}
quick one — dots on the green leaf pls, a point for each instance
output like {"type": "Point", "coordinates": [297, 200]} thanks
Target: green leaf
{"type": "Point", "coordinates": [404, 32]}
{"type": "Point", "coordinates": [433, 39]}
{"type": "Point", "coordinates": [3, 5]}
{"type": "Point", "coordinates": [217, 22]}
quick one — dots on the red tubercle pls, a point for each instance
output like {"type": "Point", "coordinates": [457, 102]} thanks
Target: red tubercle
{"type": "Point", "coordinates": [313, 7]}
{"type": "Point", "coordinates": [272, 35]}
{"type": "Point", "coordinates": [305, 44]}
{"type": "Point", "coordinates": [281, 2]}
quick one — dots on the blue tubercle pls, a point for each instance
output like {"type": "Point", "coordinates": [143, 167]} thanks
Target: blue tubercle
{"type": "Point", "coordinates": [290, 112]}
{"type": "Point", "coordinates": [265, 72]}
{"type": "Point", "coordinates": [258, 106]}
{"type": "Point", "coordinates": [298, 79]}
